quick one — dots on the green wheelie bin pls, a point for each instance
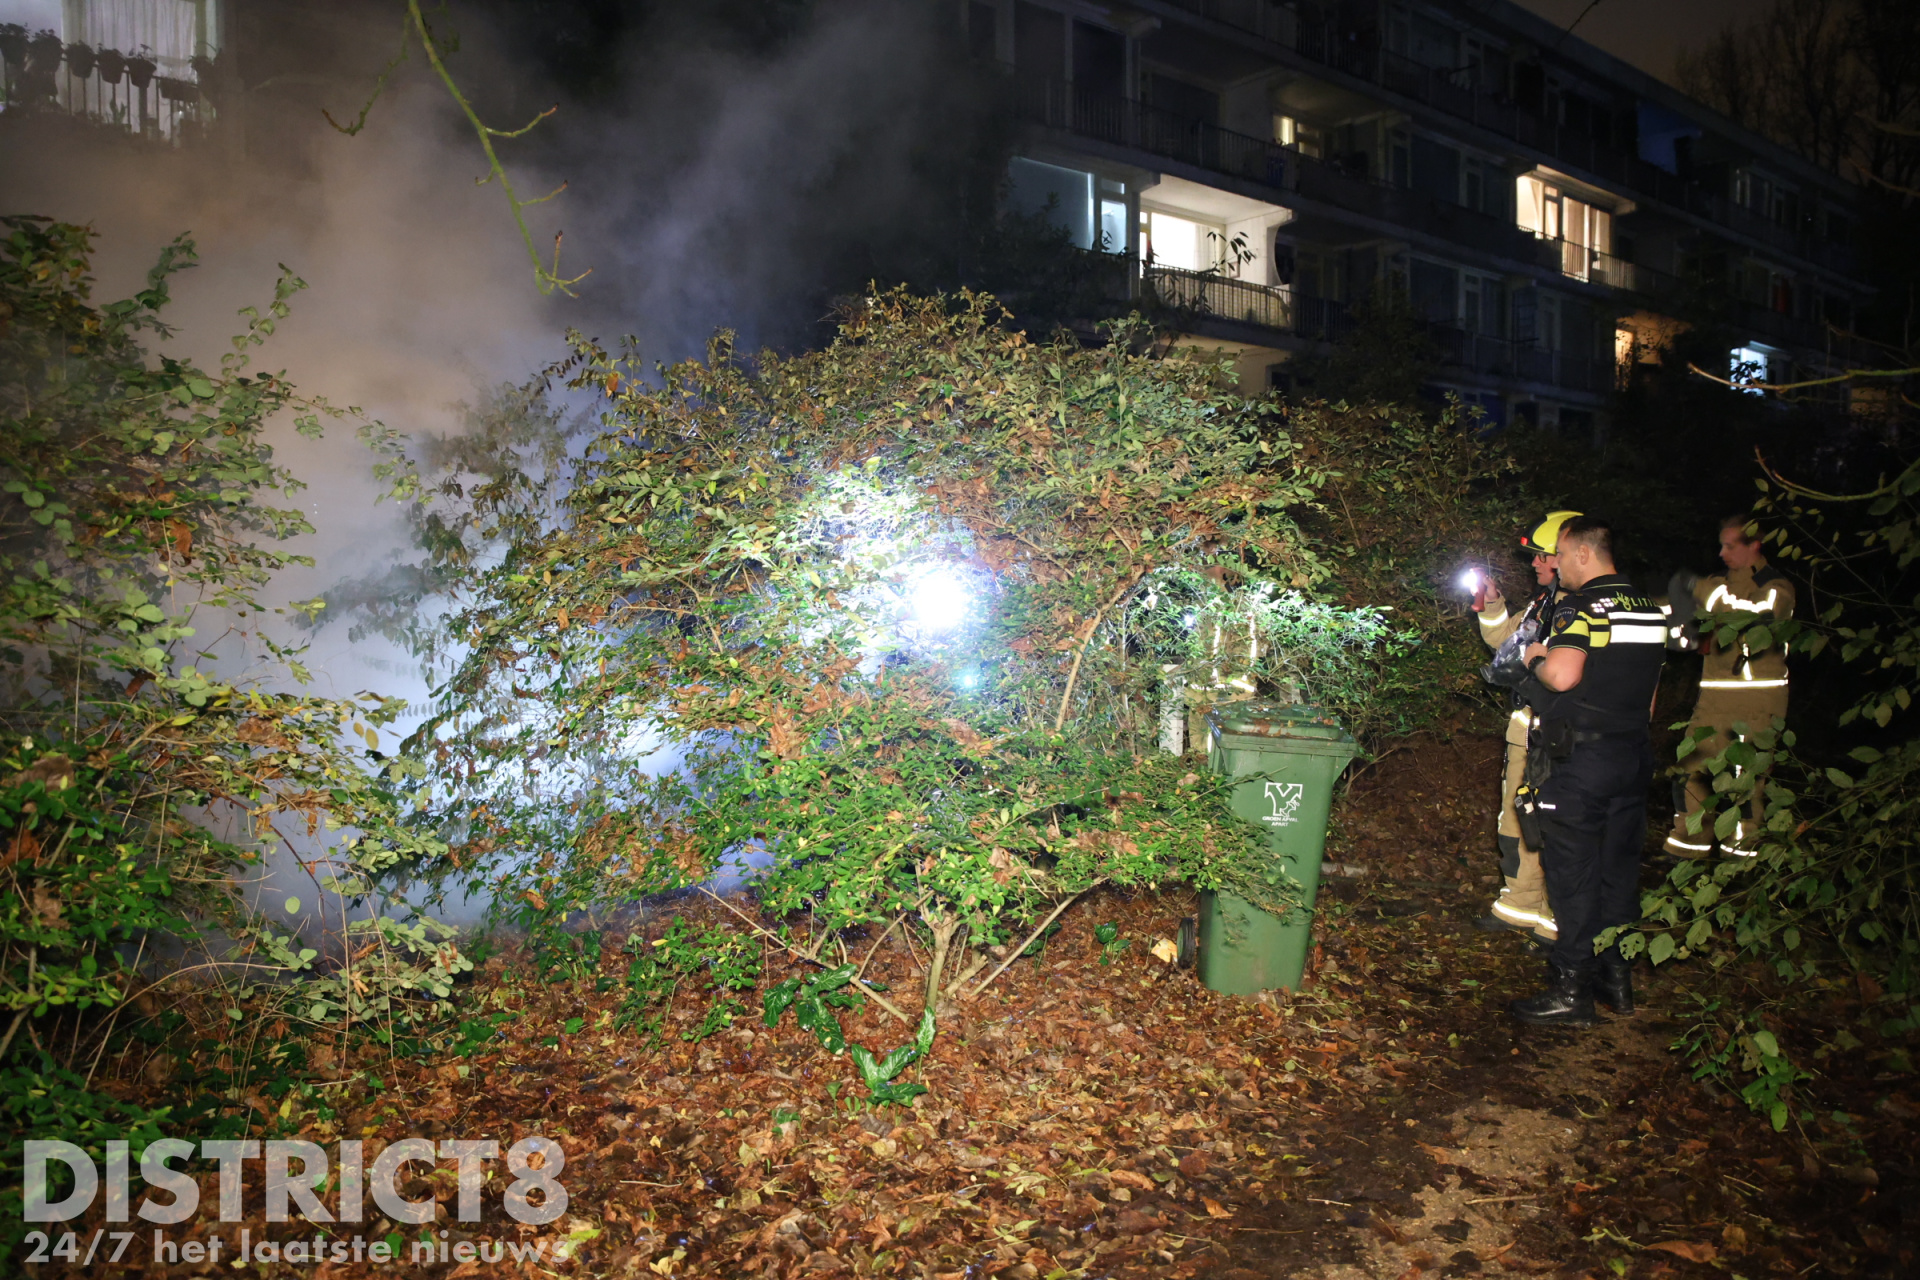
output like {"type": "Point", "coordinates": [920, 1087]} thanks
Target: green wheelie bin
{"type": "Point", "coordinates": [1283, 758]}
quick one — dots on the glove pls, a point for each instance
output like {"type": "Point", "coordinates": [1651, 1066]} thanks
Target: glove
{"type": "Point", "coordinates": [1682, 609]}
{"type": "Point", "coordinates": [1508, 669]}
{"type": "Point", "coordinates": [1680, 596]}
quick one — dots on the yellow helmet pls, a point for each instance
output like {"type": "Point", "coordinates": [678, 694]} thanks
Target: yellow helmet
{"type": "Point", "coordinates": [1545, 538]}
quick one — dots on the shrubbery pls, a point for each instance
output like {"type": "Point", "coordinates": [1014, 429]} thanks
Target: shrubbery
{"type": "Point", "coordinates": [893, 624]}
{"type": "Point", "coordinates": [1834, 891]}
{"type": "Point", "coordinates": [136, 534]}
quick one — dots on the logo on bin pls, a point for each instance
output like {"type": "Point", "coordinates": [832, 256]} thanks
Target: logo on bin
{"type": "Point", "coordinates": [1285, 798]}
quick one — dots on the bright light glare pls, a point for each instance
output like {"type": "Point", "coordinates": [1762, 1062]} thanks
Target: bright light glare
{"type": "Point", "coordinates": [1470, 580]}
{"type": "Point", "coordinates": [940, 601]}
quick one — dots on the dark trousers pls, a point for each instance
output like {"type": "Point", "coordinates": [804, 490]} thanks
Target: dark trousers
{"type": "Point", "coordinates": [1593, 815]}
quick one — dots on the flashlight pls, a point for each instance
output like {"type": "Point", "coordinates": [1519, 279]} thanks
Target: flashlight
{"type": "Point", "coordinates": [1470, 580]}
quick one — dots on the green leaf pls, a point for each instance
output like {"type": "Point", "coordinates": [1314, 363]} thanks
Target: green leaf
{"type": "Point", "coordinates": [923, 1039]}
{"type": "Point", "coordinates": [869, 1068]}
{"type": "Point", "coordinates": [1838, 778]}
{"type": "Point", "coordinates": [1661, 949]}
{"type": "Point", "coordinates": [814, 1016]}
{"type": "Point", "coordinates": [832, 979]}
{"type": "Point", "coordinates": [293, 906]}
{"type": "Point", "coordinates": [778, 999]}
{"type": "Point", "coordinates": [1764, 1041]}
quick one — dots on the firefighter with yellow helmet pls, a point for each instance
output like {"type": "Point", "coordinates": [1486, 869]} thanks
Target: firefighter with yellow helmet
{"type": "Point", "coordinates": [1739, 683]}
{"type": "Point", "coordinates": [1522, 904]}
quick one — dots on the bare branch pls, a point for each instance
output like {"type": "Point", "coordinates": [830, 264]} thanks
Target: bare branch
{"type": "Point", "coordinates": [546, 280]}
{"type": "Point", "coordinates": [1810, 382]}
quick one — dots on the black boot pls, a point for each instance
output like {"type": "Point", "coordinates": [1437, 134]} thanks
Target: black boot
{"type": "Point", "coordinates": [1613, 984]}
{"type": "Point", "coordinates": [1567, 1001]}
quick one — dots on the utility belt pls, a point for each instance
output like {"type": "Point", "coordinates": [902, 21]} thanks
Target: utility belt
{"type": "Point", "coordinates": [1553, 743]}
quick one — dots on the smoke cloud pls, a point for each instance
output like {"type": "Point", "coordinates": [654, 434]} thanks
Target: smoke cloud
{"type": "Point", "coordinates": [714, 183]}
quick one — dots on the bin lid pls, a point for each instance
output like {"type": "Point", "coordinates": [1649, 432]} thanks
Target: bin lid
{"type": "Point", "coordinates": [1298, 720]}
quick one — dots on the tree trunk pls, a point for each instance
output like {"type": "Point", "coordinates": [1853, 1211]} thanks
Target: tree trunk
{"type": "Point", "coordinates": [943, 928]}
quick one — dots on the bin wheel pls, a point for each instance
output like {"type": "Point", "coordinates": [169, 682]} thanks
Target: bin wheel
{"type": "Point", "coordinates": [1189, 942]}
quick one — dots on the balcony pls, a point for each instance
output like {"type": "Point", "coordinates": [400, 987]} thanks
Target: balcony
{"type": "Point", "coordinates": [1200, 296]}
{"type": "Point", "coordinates": [1123, 122]}
{"type": "Point", "coordinates": [1356, 53]}
{"type": "Point", "coordinates": [151, 96]}
{"type": "Point", "coordinates": [1219, 297]}
{"type": "Point", "coordinates": [1126, 123]}
{"type": "Point", "coordinates": [1520, 361]}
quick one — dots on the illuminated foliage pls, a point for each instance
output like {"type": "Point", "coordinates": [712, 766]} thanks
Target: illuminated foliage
{"type": "Point", "coordinates": [896, 619]}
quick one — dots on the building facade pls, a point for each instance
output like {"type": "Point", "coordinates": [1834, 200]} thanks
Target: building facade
{"type": "Point", "coordinates": [1552, 213]}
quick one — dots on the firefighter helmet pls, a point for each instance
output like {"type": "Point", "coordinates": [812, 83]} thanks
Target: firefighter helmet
{"type": "Point", "coordinates": [1545, 538]}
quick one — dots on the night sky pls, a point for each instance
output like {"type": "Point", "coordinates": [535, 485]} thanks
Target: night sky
{"type": "Point", "coordinates": [1646, 33]}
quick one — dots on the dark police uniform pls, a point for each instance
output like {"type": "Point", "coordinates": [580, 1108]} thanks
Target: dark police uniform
{"type": "Point", "coordinates": [1592, 805]}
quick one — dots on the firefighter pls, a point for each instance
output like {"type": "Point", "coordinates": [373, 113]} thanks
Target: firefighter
{"type": "Point", "coordinates": [1588, 769]}
{"type": "Point", "coordinates": [1522, 902]}
{"type": "Point", "coordinates": [1737, 686]}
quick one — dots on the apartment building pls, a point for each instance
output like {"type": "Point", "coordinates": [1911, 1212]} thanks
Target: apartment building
{"type": "Point", "coordinates": [1552, 213]}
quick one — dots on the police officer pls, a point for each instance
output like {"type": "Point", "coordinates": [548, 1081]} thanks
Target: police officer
{"type": "Point", "coordinates": [1522, 903]}
{"type": "Point", "coordinates": [1588, 769]}
{"type": "Point", "coordinates": [1738, 685]}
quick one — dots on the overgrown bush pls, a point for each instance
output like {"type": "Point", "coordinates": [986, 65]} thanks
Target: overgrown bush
{"type": "Point", "coordinates": [897, 617]}
{"type": "Point", "coordinates": [137, 531]}
{"type": "Point", "coordinates": [1406, 500]}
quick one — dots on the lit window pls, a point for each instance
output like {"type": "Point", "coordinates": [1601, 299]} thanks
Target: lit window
{"type": "Point", "coordinates": [1748, 365]}
{"type": "Point", "coordinates": [1175, 242]}
{"type": "Point", "coordinates": [1113, 226]}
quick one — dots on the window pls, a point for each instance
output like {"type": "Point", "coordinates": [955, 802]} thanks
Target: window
{"type": "Point", "coordinates": [1551, 214]}
{"type": "Point", "coordinates": [1435, 291]}
{"type": "Point", "coordinates": [1307, 139]}
{"type": "Point", "coordinates": [1482, 304]}
{"type": "Point", "coordinates": [1436, 170]}
{"type": "Point", "coordinates": [1168, 240]}
{"type": "Point", "coordinates": [1547, 333]}
{"type": "Point", "coordinates": [1747, 365]}
{"type": "Point", "coordinates": [1484, 191]}
{"type": "Point", "coordinates": [1064, 196]}
{"type": "Point", "coordinates": [1099, 60]}
{"type": "Point", "coordinates": [1432, 43]}
{"type": "Point", "coordinates": [1039, 41]}
{"type": "Point", "coordinates": [1113, 225]}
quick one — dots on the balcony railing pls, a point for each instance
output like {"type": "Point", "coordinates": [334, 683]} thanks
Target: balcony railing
{"type": "Point", "coordinates": [1126, 123]}
{"type": "Point", "coordinates": [154, 97]}
{"type": "Point", "coordinates": [1522, 361]}
{"type": "Point", "coordinates": [1356, 52]}
{"type": "Point", "coordinates": [1204, 295]}
{"type": "Point", "coordinates": [1220, 297]}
